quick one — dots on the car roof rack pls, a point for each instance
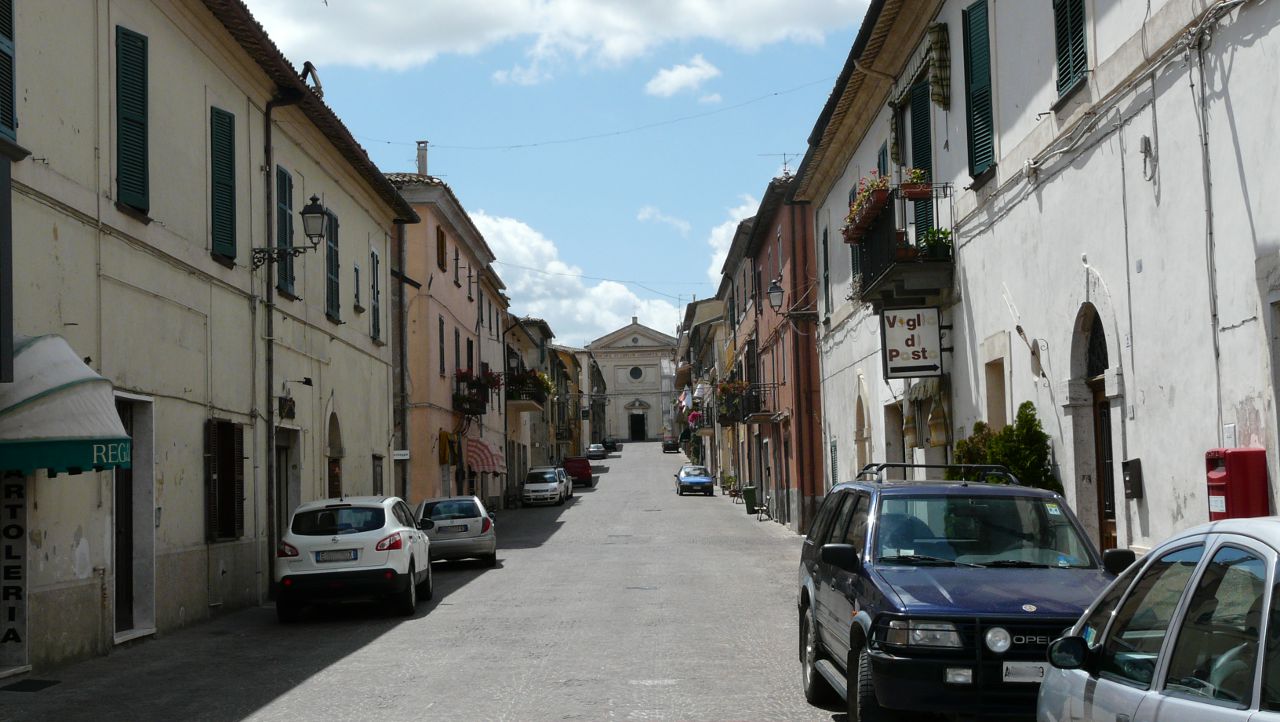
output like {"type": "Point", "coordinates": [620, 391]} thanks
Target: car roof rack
{"type": "Point", "coordinates": [875, 471]}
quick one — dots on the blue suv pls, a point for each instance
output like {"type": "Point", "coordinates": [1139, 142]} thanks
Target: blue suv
{"type": "Point", "coordinates": [940, 596]}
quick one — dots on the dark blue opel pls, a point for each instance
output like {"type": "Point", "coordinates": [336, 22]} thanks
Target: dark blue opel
{"type": "Point", "coordinates": [940, 596]}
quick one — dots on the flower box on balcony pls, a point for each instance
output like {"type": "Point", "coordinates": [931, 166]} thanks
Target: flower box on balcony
{"type": "Point", "coordinates": [470, 404]}
{"type": "Point", "coordinates": [916, 191]}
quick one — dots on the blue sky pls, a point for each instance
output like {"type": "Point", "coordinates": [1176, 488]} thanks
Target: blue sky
{"type": "Point", "coordinates": [605, 148]}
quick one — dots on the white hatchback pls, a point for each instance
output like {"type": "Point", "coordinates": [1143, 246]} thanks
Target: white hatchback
{"type": "Point", "coordinates": [359, 547]}
{"type": "Point", "coordinates": [544, 485]}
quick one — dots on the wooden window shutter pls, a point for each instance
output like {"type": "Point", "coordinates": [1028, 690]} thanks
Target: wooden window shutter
{"type": "Point", "coordinates": [222, 162]}
{"type": "Point", "coordinates": [8, 56]}
{"type": "Point", "coordinates": [375, 295]}
{"type": "Point", "coordinates": [211, 479]}
{"type": "Point", "coordinates": [284, 229]}
{"type": "Point", "coordinates": [1068, 30]}
{"type": "Point", "coordinates": [132, 188]}
{"type": "Point", "coordinates": [442, 252]}
{"type": "Point", "coordinates": [332, 299]}
{"type": "Point", "coordinates": [238, 467]}
{"type": "Point", "coordinates": [922, 150]}
{"type": "Point", "coordinates": [977, 83]}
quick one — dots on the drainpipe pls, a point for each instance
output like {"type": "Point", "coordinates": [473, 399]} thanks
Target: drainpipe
{"type": "Point", "coordinates": [402, 399]}
{"type": "Point", "coordinates": [283, 98]}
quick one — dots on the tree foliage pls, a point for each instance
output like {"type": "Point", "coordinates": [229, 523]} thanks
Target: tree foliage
{"type": "Point", "coordinates": [1023, 447]}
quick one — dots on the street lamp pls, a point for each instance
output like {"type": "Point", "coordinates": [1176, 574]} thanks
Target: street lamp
{"type": "Point", "coordinates": [775, 295]}
{"type": "Point", "coordinates": [315, 220]}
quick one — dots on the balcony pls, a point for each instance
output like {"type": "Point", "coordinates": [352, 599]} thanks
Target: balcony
{"type": "Point", "coordinates": [469, 403]}
{"type": "Point", "coordinates": [893, 269]}
{"type": "Point", "coordinates": [525, 391]}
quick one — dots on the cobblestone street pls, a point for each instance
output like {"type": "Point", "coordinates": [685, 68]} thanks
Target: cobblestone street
{"type": "Point", "coordinates": [629, 603]}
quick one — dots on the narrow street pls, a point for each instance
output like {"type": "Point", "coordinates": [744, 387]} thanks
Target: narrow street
{"type": "Point", "coordinates": [628, 602]}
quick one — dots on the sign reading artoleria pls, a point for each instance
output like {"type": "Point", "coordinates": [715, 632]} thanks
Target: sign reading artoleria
{"type": "Point", "coordinates": [13, 572]}
{"type": "Point", "coordinates": [912, 340]}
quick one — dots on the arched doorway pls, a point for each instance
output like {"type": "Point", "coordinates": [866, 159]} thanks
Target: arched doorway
{"type": "Point", "coordinates": [334, 458]}
{"type": "Point", "coordinates": [1091, 413]}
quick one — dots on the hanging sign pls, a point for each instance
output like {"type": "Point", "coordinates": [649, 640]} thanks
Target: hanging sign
{"type": "Point", "coordinates": [13, 572]}
{"type": "Point", "coordinates": [912, 339]}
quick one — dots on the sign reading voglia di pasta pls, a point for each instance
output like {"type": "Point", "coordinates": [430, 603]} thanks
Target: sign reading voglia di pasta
{"type": "Point", "coordinates": [912, 342]}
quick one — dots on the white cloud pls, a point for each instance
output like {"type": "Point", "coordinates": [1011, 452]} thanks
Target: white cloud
{"type": "Point", "coordinates": [670, 81]}
{"type": "Point", "coordinates": [577, 309]}
{"type": "Point", "coordinates": [721, 237]}
{"type": "Point", "coordinates": [710, 98]}
{"type": "Point", "coordinates": [395, 34]}
{"type": "Point", "coordinates": [649, 213]}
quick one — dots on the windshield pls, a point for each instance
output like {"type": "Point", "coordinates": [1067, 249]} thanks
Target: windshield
{"type": "Point", "coordinates": [343, 520]}
{"type": "Point", "coordinates": [451, 509]}
{"type": "Point", "coordinates": [995, 531]}
{"type": "Point", "coordinates": [693, 471]}
{"type": "Point", "coordinates": [540, 477]}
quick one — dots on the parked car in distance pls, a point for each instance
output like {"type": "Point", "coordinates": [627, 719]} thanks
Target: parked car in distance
{"type": "Point", "coordinates": [566, 482]}
{"type": "Point", "coordinates": [543, 485]}
{"type": "Point", "coordinates": [612, 444]}
{"type": "Point", "coordinates": [694, 478]}
{"type": "Point", "coordinates": [670, 444]}
{"type": "Point", "coordinates": [579, 470]}
{"type": "Point", "coordinates": [353, 548]}
{"type": "Point", "coordinates": [1178, 636]}
{"type": "Point", "coordinates": [597, 451]}
{"type": "Point", "coordinates": [939, 596]}
{"type": "Point", "coordinates": [461, 529]}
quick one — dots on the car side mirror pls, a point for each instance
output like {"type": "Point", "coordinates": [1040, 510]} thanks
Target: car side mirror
{"type": "Point", "coordinates": [1116, 561]}
{"type": "Point", "coordinates": [840, 556]}
{"type": "Point", "coordinates": [491, 516]}
{"type": "Point", "coordinates": [426, 524]}
{"type": "Point", "coordinates": [1068, 653]}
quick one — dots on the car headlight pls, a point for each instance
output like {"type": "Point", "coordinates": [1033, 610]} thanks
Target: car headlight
{"type": "Point", "coordinates": [916, 633]}
{"type": "Point", "coordinates": [998, 640]}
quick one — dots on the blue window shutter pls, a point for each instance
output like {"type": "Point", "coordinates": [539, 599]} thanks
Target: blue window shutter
{"type": "Point", "coordinates": [922, 149]}
{"type": "Point", "coordinates": [132, 187]}
{"type": "Point", "coordinates": [284, 229]}
{"type": "Point", "coordinates": [977, 84]}
{"type": "Point", "coordinates": [222, 164]}
{"type": "Point", "coordinates": [8, 102]}
{"type": "Point", "coordinates": [332, 299]}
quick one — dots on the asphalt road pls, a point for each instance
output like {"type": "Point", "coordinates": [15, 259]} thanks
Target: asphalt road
{"type": "Point", "coordinates": [627, 603]}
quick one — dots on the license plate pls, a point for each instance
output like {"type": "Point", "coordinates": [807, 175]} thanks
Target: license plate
{"type": "Point", "coordinates": [455, 527]}
{"type": "Point", "coordinates": [1024, 672]}
{"type": "Point", "coordinates": [340, 555]}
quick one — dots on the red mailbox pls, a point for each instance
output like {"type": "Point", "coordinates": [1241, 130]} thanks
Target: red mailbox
{"type": "Point", "coordinates": [1237, 483]}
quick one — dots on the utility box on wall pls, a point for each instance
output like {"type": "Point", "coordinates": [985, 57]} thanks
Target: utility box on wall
{"type": "Point", "coordinates": [1237, 481]}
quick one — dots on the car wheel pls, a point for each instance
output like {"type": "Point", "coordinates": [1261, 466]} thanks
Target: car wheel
{"type": "Point", "coordinates": [711, 492]}
{"type": "Point", "coordinates": [428, 586]}
{"type": "Point", "coordinates": [288, 612]}
{"type": "Point", "coordinates": [406, 602]}
{"type": "Point", "coordinates": [491, 560]}
{"type": "Point", "coordinates": [863, 705]}
{"type": "Point", "coordinates": [560, 499]}
{"type": "Point", "coordinates": [679, 491]}
{"type": "Point", "coordinates": [816, 688]}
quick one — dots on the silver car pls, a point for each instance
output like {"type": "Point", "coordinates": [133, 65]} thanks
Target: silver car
{"type": "Point", "coordinates": [461, 529]}
{"type": "Point", "coordinates": [1190, 633]}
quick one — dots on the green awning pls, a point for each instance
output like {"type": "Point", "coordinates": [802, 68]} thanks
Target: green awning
{"type": "Point", "coordinates": [58, 414]}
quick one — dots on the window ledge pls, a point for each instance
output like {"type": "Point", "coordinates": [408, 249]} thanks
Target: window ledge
{"type": "Point", "coordinates": [222, 260]}
{"type": "Point", "coordinates": [286, 293]}
{"type": "Point", "coordinates": [12, 150]}
{"type": "Point", "coordinates": [982, 178]}
{"type": "Point", "coordinates": [377, 341]}
{"type": "Point", "coordinates": [134, 213]}
{"type": "Point", "coordinates": [334, 319]}
{"type": "Point", "coordinates": [1065, 96]}
{"type": "Point", "coordinates": [357, 307]}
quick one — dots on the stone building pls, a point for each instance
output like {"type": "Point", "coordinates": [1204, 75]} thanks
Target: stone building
{"type": "Point", "coordinates": [637, 365]}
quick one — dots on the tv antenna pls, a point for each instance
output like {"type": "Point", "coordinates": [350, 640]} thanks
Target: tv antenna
{"type": "Point", "coordinates": [784, 156]}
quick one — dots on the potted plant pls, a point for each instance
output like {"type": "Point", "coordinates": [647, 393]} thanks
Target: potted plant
{"type": "Point", "coordinates": [915, 185]}
{"type": "Point", "coordinates": [936, 243]}
{"type": "Point", "coordinates": [872, 195]}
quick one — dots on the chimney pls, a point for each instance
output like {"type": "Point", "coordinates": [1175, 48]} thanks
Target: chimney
{"type": "Point", "coordinates": [635, 320]}
{"type": "Point", "coordinates": [422, 157]}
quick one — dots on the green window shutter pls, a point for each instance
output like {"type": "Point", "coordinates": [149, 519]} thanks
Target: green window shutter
{"type": "Point", "coordinates": [375, 297]}
{"type": "Point", "coordinates": [977, 86]}
{"type": "Point", "coordinates": [882, 162]}
{"type": "Point", "coordinates": [222, 163]}
{"type": "Point", "coordinates": [132, 187]}
{"type": "Point", "coordinates": [921, 149]}
{"type": "Point", "coordinates": [332, 300]}
{"type": "Point", "coordinates": [211, 479]}
{"type": "Point", "coordinates": [284, 229]}
{"type": "Point", "coordinates": [1068, 30]}
{"type": "Point", "coordinates": [8, 103]}
{"type": "Point", "coordinates": [237, 488]}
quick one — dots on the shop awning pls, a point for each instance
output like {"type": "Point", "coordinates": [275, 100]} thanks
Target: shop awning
{"type": "Point", "coordinates": [482, 456]}
{"type": "Point", "coordinates": [58, 414]}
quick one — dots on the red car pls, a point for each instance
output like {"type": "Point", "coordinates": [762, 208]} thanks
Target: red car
{"type": "Point", "coordinates": [578, 468]}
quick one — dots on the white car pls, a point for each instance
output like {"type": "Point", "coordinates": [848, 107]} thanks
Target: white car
{"type": "Point", "coordinates": [1190, 633]}
{"type": "Point", "coordinates": [545, 485]}
{"type": "Point", "coordinates": [357, 547]}
{"type": "Point", "coordinates": [461, 529]}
